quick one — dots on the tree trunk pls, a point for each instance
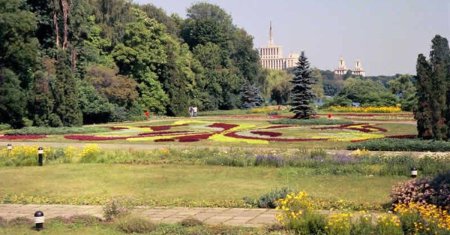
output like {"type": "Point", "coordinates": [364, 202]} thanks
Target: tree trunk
{"type": "Point", "coordinates": [65, 11]}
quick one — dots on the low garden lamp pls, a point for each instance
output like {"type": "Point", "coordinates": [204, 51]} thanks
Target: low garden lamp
{"type": "Point", "coordinates": [39, 220]}
{"type": "Point", "coordinates": [413, 172]}
{"type": "Point", "coordinates": [40, 156]}
{"type": "Point", "coordinates": [9, 147]}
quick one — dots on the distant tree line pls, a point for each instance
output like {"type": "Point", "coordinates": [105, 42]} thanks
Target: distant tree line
{"type": "Point", "coordinates": [65, 63]}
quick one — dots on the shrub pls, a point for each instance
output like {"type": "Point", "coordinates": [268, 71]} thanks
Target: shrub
{"type": "Point", "coordinates": [339, 223]}
{"type": "Point", "coordinates": [296, 212]}
{"type": "Point", "coordinates": [314, 121]}
{"type": "Point", "coordinates": [434, 191]}
{"type": "Point", "coordinates": [133, 224]}
{"type": "Point", "coordinates": [4, 127]}
{"type": "Point", "coordinates": [269, 200]}
{"type": "Point", "coordinates": [388, 225]}
{"type": "Point", "coordinates": [423, 218]}
{"type": "Point", "coordinates": [269, 160]}
{"type": "Point", "coordinates": [117, 207]}
{"type": "Point", "coordinates": [191, 222]}
{"type": "Point", "coordinates": [401, 145]}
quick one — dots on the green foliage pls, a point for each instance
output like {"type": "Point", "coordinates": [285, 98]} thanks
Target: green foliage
{"type": "Point", "coordinates": [269, 200]}
{"type": "Point", "coordinates": [5, 127]}
{"type": "Point", "coordinates": [404, 88]}
{"type": "Point", "coordinates": [367, 93]}
{"type": "Point", "coordinates": [302, 94]}
{"type": "Point", "coordinates": [117, 208]}
{"type": "Point", "coordinates": [41, 101]}
{"type": "Point", "coordinates": [65, 93]}
{"type": "Point", "coordinates": [314, 121]}
{"type": "Point", "coordinates": [12, 99]}
{"type": "Point", "coordinates": [250, 97]}
{"type": "Point", "coordinates": [191, 222]}
{"type": "Point", "coordinates": [433, 79]}
{"type": "Point", "coordinates": [95, 108]}
{"type": "Point", "coordinates": [134, 224]}
{"type": "Point", "coordinates": [401, 145]}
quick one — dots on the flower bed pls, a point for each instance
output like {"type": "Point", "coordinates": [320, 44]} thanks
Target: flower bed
{"type": "Point", "coordinates": [22, 137]}
{"type": "Point", "coordinates": [266, 133]}
{"type": "Point", "coordinates": [401, 136]}
{"type": "Point", "coordinates": [94, 138]}
{"type": "Point", "coordinates": [224, 126]}
{"type": "Point", "coordinates": [356, 127]}
{"type": "Point", "coordinates": [235, 135]}
{"type": "Point", "coordinates": [117, 128]}
{"type": "Point", "coordinates": [159, 133]}
{"type": "Point", "coordinates": [162, 128]}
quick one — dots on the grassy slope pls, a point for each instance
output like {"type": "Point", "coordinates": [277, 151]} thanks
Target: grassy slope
{"type": "Point", "coordinates": [167, 183]}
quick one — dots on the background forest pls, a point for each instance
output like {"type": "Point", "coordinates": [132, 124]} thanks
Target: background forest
{"type": "Point", "coordinates": [65, 63]}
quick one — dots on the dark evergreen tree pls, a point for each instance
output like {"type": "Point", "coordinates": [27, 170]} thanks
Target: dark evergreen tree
{"type": "Point", "coordinates": [423, 113]}
{"type": "Point", "coordinates": [12, 99]}
{"type": "Point", "coordinates": [302, 95]}
{"type": "Point", "coordinates": [41, 102]}
{"type": "Point", "coordinates": [440, 60]}
{"type": "Point", "coordinates": [65, 93]}
{"type": "Point", "coordinates": [250, 96]}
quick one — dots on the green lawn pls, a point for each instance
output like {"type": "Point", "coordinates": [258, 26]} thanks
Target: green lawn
{"type": "Point", "coordinates": [181, 184]}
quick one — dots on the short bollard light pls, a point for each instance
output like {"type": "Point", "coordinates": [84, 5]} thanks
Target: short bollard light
{"type": "Point", "coordinates": [413, 172]}
{"type": "Point", "coordinates": [40, 156]}
{"type": "Point", "coordinates": [39, 220]}
{"type": "Point", "coordinates": [9, 147]}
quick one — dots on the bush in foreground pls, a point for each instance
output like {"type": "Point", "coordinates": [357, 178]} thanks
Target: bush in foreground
{"type": "Point", "coordinates": [134, 224]}
{"type": "Point", "coordinates": [401, 145]}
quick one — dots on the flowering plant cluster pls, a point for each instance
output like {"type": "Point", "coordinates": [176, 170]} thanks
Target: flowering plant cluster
{"type": "Point", "coordinates": [422, 218]}
{"type": "Point", "coordinates": [21, 137]}
{"type": "Point", "coordinates": [369, 109]}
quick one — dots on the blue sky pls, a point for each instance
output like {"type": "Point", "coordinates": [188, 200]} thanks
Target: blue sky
{"type": "Point", "coordinates": [386, 35]}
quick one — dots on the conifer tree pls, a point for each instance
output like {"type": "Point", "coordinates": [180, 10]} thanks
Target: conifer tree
{"type": "Point", "coordinates": [440, 60]}
{"type": "Point", "coordinates": [423, 113]}
{"type": "Point", "coordinates": [65, 93]}
{"type": "Point", "coordinates": [302, 94]}
{"type": "Point", "coordinates": [251, 96]}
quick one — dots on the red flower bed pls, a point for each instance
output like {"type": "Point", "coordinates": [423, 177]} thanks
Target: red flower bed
{"type": "Point", "coordinates": [224, 126]}
{"type": "Point", "coordinates": [116, 128]}
{"type": "Point", "coordinates": [22, 137]}
{"type": "Point", "coordinates": [94, 138]}
{"type": "Point", "coordinates": [235, 135]}
{"type": "Point", "coordinates": [193, 138]}
{"type": "Point", "coordinates": [266, 133]}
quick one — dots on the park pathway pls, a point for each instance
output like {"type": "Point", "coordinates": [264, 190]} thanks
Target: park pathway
{"type": "Point", "coordinates": [247, 217]}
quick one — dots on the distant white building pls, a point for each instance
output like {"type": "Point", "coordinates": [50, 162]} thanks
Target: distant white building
{"type": "Point", "coordinates": [342, 68]}
{"type": "Point", "coordinates": [272, 56]}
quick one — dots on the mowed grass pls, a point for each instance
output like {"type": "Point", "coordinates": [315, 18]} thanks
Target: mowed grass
{"type": "Point", "coordinates": [169, 183]}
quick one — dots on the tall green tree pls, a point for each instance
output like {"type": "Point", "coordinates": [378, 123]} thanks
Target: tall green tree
{"type": "Point", "coordinates": [301, 94]}
{"type": "Point", "coordinates": [12, 99]}
{"type": "Point", "coordinates": [440, 61]}
{"type": "Point", "coordinates": [423, 112]}
{"type": "Point", "coordinates": [65, 92]}
{"type": "Point", "coordinates": [139, 55]}
{"type": "Point", "coordinates": [18, 44]}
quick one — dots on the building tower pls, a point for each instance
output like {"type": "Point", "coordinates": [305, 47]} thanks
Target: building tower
{"type": "Point", "coordinates": [272, 55]}
{"type": "Point", "coordinates": [342, 68]}
{"type": "Point", "coordinates": [358, 71]}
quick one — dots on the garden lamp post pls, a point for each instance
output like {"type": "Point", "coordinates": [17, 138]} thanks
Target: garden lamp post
{"type": "Point", "coordinates": [39, 220]}
{"type": "Point", "coordinates": [40, 156]}
{"type": "Point", "coordinates": [413, 172]}
{"type": "Point", "coordinates": [9, 147]}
